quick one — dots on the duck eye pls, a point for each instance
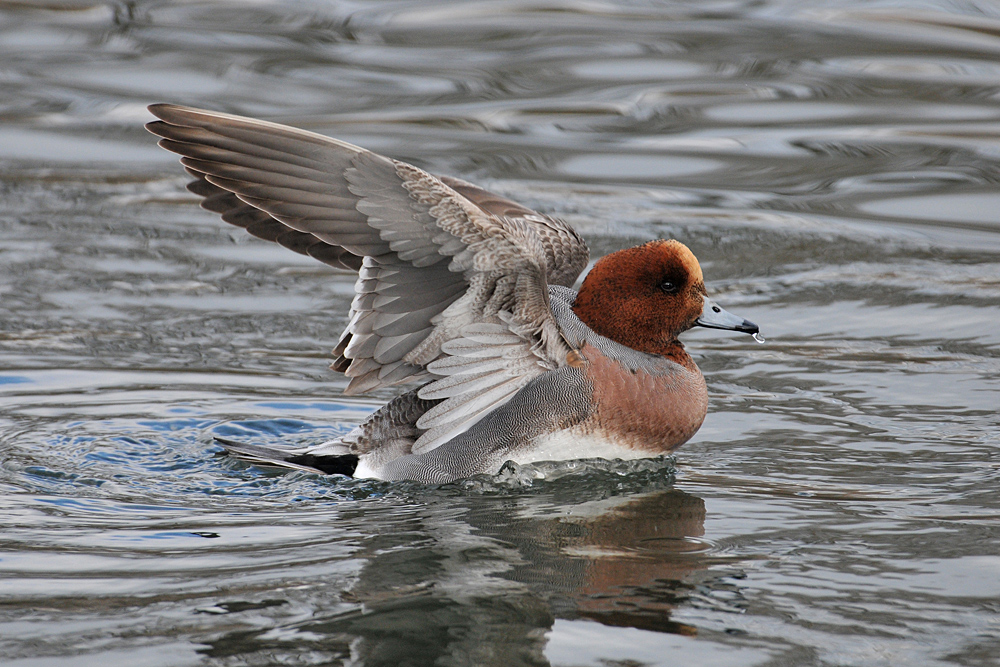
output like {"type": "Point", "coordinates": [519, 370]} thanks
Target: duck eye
{"type": "Point", "coordinates": [668, 287]}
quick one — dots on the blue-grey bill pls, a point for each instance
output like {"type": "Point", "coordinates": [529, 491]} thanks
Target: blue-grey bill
{"type": "Point", "coordinates": [714, 316]}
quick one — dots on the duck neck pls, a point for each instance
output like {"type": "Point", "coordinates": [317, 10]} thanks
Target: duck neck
{"type": "Point", "coordinates": [674, 351]}
{"type": "Point", "coordinates": [671, 348]}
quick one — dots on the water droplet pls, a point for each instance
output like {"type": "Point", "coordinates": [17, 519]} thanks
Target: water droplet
{"type": "Point", "coordinates": [757, 337]}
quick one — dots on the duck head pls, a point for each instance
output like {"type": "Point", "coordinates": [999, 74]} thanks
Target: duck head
{"type": "Point", "coordinates": [643, 297]}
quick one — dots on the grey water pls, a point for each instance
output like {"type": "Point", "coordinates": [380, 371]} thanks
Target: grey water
{"type": "Point", "coordinates": [834, 165]}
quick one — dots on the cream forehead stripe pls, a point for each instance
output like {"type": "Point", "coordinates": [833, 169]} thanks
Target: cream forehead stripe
{"type": "Point", "coordinates": [688, 259]}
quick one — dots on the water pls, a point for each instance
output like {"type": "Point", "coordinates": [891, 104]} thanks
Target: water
{"type": "Point", "coordinates": [835, 168]}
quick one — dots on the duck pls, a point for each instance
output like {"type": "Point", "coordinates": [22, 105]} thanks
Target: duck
{"type": "Point", "coordinates": [467, 297]}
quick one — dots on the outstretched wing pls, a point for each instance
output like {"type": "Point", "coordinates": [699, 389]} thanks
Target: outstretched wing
{"type": "Point", "coordinates": [260, 224]}
{"type": "Point", "coordinates": [452, 282]}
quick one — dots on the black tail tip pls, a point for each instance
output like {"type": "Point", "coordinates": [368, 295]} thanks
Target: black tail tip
{"type": "Point", "coordinates": [342, 464]}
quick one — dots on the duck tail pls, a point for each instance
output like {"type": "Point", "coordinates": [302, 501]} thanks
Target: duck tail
{"type": "Point", "coordinates": [329, 464]}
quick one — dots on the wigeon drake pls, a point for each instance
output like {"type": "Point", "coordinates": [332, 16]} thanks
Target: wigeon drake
{"type": "Point", "coordinates": [468, 294]}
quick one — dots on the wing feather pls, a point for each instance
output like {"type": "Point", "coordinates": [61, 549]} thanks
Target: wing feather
{"type": "Point", "coordinates": [452, 279]}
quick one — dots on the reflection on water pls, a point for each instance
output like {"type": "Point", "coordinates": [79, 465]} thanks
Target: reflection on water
{"type": "Point", "coordinates": [515, 567]}
{"type": "Point", "coordinates": [834, 167]}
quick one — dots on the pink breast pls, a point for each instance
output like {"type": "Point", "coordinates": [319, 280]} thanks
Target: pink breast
{"type": "Point", "coordinates": [651, 411]}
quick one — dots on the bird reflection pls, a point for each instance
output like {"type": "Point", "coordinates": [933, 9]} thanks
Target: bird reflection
{"type": "Point", "coordinates": [482, 579]}
{"type": "Point", "coordinates": [619, 561]}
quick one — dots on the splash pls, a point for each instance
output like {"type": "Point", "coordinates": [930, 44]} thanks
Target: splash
{"type": "Point", "coordinates": [757, 337]}
{"type": "Point", "coordinates": [584, 476]}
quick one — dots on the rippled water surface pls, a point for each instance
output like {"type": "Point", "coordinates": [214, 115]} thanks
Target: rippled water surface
{"type": "Point", "coordinates": [833, 164]}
